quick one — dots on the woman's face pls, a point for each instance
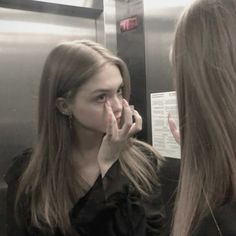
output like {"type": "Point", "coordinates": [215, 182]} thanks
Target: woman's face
{"type": "Point", "coordinates": [88, 106]}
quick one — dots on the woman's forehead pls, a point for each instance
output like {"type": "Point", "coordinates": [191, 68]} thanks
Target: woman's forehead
{"type": "Point", "coordinates": [107, 77]}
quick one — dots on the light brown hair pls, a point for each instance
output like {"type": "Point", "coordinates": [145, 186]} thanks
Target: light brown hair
{"type": "Point", "coordinates": [204, 62]}
{"type": "Point", "coordinates": [49, 178]}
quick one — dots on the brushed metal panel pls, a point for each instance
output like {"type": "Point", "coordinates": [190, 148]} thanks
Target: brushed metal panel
{"type": "Point", "coordinates": [25, 40]}
{"type": "Point", "coordinates": [96, 4]}
{"type": "Point", "coordinates": [160, 19]}
{"type": "Point", "coordinates": [130, 46]}
{"type": "Point", "coordinates": [106, 26]}
{"type": "Point", "coordinates": [87, 9]}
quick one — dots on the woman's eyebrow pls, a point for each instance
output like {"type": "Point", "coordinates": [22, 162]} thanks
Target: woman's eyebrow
{"type": "Point", "coordinates": [103, 90]}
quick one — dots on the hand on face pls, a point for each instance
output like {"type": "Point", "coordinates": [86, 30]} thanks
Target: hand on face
{"type": "Point", "coordinates": [117, 138]}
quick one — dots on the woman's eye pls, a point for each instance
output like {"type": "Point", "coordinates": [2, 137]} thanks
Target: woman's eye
{"type": "Point", "coordinates": [120, 91]}
{"type": "Point", "coordinates": [101, 98]}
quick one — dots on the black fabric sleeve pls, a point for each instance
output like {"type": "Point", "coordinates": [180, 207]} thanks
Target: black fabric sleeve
{"type": "Point", "coordinates": [113, 208]}
{"type": "Point", "coordinates": [223, 222]}
{"type": "Point", "coordinates": [12, 179]}
{"type": "Point", "coordinates": [83, 214]}
{"type": "Point", "coordinates": [207, 227]}
{"type": "Point", "coordinates": [169, 177]}
{"type": "Point", "coordinates": [137, 216]}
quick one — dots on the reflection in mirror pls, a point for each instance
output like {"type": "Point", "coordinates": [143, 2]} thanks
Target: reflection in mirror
{"type": "Point", "coordinates": [26, 39]}
{"type": "Point", "coordinates": [28, 33]}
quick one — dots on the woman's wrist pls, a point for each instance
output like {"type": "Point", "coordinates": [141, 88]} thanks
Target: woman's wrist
{"type": "Point", "coordinates": [105, 164]}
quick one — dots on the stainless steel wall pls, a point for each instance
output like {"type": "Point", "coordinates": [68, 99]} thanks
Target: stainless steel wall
{"type": "Point", "coordinates": [28, 31]}
{"type": "Point", "coordinates": [106, 26]}
{"type": "Point", "coordinates": [131, 48]}
{"type": "Point", "coordinates": [160, 18]}
{"type": "Point", "coordinates": [26, 38]}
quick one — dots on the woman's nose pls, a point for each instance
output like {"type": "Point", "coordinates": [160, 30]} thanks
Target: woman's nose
{"type": "Point", "coordinates": [116, 104]}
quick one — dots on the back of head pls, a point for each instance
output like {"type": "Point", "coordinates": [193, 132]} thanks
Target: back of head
{"type": "Point", "coordinates": [204, 61]}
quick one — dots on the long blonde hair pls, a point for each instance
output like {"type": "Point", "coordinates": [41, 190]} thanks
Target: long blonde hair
{"type": "Point", "coordinates": [49, 178]}
{"type": "Point", "coordinates": [204, 61]}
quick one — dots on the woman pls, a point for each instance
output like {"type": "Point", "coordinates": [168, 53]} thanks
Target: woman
{"type": "Point", "coordinates": [86, 175]}
{"type": "Point", "coordinates": [204, 61]}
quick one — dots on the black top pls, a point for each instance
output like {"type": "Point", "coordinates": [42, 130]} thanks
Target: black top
{"type": "Point", "coordinates": [169, 176]}
{"type": "Point", "coordinates": [221, 223]}
{"type": "Point", "coordinates": [112, 207]}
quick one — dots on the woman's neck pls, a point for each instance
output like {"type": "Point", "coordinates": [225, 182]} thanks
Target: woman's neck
{"type": "Point", "coordinates": [85, 150]}
{"type": "Point", "coordinates": [85, 143]}
{"type": "Point", "coordinates": [86, 139]}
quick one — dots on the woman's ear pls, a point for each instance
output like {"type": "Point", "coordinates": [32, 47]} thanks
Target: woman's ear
{"type": "Point", "coordinates": [63, 106]}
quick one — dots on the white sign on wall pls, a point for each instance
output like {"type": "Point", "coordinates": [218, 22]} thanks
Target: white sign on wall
{"type": "Point", "coordinates": [162, 139]}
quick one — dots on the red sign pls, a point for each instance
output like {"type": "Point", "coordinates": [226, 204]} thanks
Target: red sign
{"type": "Point", "coordinates": [128, 24]}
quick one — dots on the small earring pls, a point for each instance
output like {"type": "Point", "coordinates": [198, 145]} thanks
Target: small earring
{"type": "Point", "coordinates": [70, 117]}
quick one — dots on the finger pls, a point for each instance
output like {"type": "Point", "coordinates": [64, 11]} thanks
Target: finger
{"type": "Point", "coordinates": [127, 114]}
{"type": "Point", "coordinates": [109, 120]}
{"type": "Point", "coordinates": [173, 128]}
{"type": "Point", "coordinates": [112, 126]}
{"type": "Point", "coordinates": [109, 127]}
{"type": "Point", "coordinates": [171, 122]}
{"type": "Point", "coordinates": [137, 125]}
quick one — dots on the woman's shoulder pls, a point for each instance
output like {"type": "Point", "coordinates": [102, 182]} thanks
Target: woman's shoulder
{"type": "Point", "coordinates": [17, 166]}
{"type": "Point", "coordinates": [222, 222]}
